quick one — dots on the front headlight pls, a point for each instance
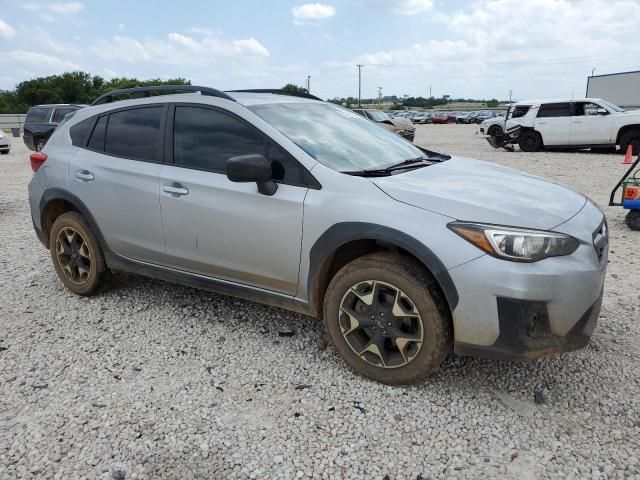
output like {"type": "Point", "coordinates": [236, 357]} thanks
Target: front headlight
{"type": "Point", "coordinates": [515, 244]}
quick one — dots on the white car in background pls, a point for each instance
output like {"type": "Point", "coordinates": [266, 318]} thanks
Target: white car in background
{"type": "Point", "coordinates": [5, 143]}
{"type": "Point", "coordinates": [570, 123]}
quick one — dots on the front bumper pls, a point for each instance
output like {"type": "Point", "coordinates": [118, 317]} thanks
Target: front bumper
{"type": "Point", "coordinates": [521, 311]}
{"type": "Point", "coordinates": [408, 134]}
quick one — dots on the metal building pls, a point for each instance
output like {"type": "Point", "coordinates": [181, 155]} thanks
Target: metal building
{"type": "Point", "coordinates": [623, 89]}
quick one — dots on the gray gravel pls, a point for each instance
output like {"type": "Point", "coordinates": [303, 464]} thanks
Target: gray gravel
{"type": "Point", "coordinates": [153, 380]}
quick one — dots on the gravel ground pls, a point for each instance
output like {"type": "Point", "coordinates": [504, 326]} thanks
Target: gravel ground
{"type": "Point", "coordinates": [152, 380]}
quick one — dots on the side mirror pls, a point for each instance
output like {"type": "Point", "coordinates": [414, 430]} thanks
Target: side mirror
{"type": "Point", "coordinates": [252, 168]}
{"type": "Point", "coordinates": [602, 111]}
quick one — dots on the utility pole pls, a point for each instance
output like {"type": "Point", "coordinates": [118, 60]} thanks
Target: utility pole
{"type": "Point", "coordinates": [359, 82]}
{"type": "Point", "coordinates": [429, 90]}
{"type": "Point", "coordinates": [308, 83]}
{"type": "Point", "coordinates": [510, 92]}
{"type": "Point", "coordinates": [380, 95]}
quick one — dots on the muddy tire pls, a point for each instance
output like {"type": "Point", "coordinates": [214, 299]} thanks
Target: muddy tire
{"type": "Point", "coordinates": [630, 138]}
{"type": "Point", "coordinates": [530, 141]}
{"type": "Point", "coordinates": [633, 220]}
{"type": "Point", "coordinates": [387, 320]}
{"type": "Point", "coordinates": [77, 256]}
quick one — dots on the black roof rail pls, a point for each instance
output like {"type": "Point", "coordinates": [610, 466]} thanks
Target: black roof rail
{"type": "Point", "coordinates": [146, 92]}
{"type": "Point", "coordinates": [278, 91]}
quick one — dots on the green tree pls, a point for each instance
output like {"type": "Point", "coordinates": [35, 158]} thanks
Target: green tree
{"type": "Point", "coordinates": [69, 87]}
{"type": "Point", "coordinates": [493, 103]}
{"type": "Point", "coordinates": [290, 87]}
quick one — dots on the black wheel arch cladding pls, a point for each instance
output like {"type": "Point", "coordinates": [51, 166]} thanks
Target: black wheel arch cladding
{"type": "Point", "coordinates": [345, 232]}
{"type": "Point", "coordinates": [52, 194]}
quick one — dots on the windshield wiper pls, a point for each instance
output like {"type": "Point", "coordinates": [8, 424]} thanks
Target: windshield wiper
{"type": "Point", "coordinates": [409, 164]}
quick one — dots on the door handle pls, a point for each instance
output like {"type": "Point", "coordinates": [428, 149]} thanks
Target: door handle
{"type": "Point", "coordinates": [542, 123]}
{"type": "Point", "coordinates": [176, 189]}
{"type": "Point", "coordinates": [577, 121]}
{"type": "Point", "coordinates": [84, 175]}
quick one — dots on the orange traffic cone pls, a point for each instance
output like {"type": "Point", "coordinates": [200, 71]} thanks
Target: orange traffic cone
{"type": "Point", "coordinates": [628, 157]}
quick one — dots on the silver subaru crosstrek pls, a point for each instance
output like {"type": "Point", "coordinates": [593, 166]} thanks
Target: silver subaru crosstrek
{"type": "Point", "coordinates": [291, 201]}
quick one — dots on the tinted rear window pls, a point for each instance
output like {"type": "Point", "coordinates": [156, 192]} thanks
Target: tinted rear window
{"type": "Point", "coordinates": [60, 112]}
{"type": "Point", "coordinates": [38, 115]}
{"type": "Point", "coordinates": [555, 110]}
{"type": "Point", "coordinates": [79, 131]}
{"type": "Point", "coordinates": [134, 133]}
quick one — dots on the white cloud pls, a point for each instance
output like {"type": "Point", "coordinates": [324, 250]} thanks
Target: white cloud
{"type": "Point", "coordinates": [312, 12]}
{"type": "Point", "coordinates": [121, 27]}
{"type": "Point", "coordinates": [65, 8]}
{"type": "Point", "coordinates": [37, 59]}
{"type": "Point", "coordinates": [547, 49]}
{"type": "Point", "coordinates": [54, 10]}
{"type": "Point", "coordinates": [177, 49]}
{"type": "Point", "coordinates": [407, 7]}
{"type": "Point", "coordinates": [6, 30]}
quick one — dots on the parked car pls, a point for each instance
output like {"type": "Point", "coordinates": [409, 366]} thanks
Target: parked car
{"type": "Point", "coordinates": [5, 143]}
{"type": "Point", "coordinates": [306, 205]}
{"type": "Point", "coordinates": [422, 117]}
{"type": "Point", "coordinates": [400, 126]}
{"type": "Point", "coordinates": [42, 120]}
{"type": "Point", "coordinates": [576, 123]}
{"type": "Point", "coordinates": [443, 117]}
{"type": "Point", "coordinates": [462, 117]}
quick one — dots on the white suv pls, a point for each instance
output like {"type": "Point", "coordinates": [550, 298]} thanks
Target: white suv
{"type": "Point", "coordinates": [571, 123]}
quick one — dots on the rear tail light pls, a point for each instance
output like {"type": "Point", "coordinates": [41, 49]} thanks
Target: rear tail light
{"type": "Point", "coordinates": [37, 159]}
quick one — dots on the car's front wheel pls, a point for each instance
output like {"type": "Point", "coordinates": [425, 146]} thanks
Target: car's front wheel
{"type": "Point", "coordinates": [386, 319]}
{"type": "Point", "coordinates": [495, 130]}
{"type": "Point", "coordinates": [76, 255]}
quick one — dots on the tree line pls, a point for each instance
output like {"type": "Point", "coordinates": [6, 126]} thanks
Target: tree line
{"type": "Point", "coordinates": [82, 87]}
{"type": "Point", "coordinates": [69, 87]}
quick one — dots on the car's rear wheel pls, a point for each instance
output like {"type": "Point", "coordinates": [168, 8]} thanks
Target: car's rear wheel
{"type": "Point", "coordinates": [76, 255]}
{"type": "Point", "coordinates": [630, 138]}
{"type": "Point", "coordinates": [530, 141]}
{"type": "Point", "coordinates": [633, 219]}
{"type": "Point", "coordinates": [386, 319]}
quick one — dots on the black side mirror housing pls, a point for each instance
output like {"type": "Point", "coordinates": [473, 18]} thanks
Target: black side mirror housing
{"type": "Point", "coordinates": [252, 168]}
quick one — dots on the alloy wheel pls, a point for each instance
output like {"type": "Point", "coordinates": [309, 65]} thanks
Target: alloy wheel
{"type": "Point", "coordinates": [381, 324]}
{"type": "Point", "coordinates": [73, 254]}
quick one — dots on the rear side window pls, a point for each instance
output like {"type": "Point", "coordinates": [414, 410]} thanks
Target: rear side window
{"type": "Point", "coordinates": [134, 134]}
{"type": "Point", "coordinates": [205, 139]}
{"type": "Point", "coordinates": [79, 131]}
{"type": "Point", "coordinates": [38, 115]}
{"type": "Point", "coordinates": [60, 112]}
{"type": "Point", "coordinates": [555, 110]}
{"type": "Point", "coordinates": [96, 142]}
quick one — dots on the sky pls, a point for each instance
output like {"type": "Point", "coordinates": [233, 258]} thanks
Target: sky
{"type": "Point", "coordinates": [465, 49]}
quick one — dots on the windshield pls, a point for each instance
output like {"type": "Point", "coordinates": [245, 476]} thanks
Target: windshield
{"type": "Point", "coordinates": [611, 106]}
{"type": "Point", "coordinates": [377, 116]}
{"type": "Point", "coordinates": [337, 137]}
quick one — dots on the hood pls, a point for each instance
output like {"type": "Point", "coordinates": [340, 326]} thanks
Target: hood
{"type": "Point", "coordinates": [403, 123]}
{"type": "Point", "coordinates": [477, 191]}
